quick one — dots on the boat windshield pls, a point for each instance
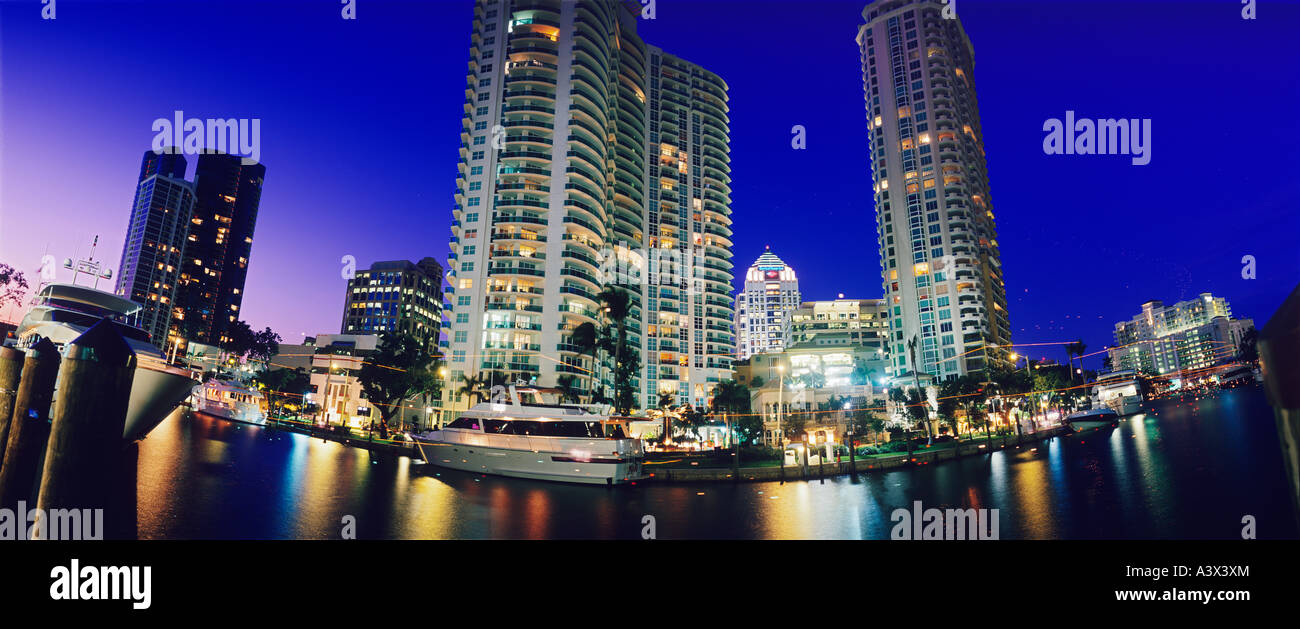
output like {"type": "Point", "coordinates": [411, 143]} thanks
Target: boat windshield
{"type": "Point", "coordinates": [82, 307]}
{"type": "Point", "coordinates": [87, 320]}
{"type": "Point", "coordinates": [586, 430]}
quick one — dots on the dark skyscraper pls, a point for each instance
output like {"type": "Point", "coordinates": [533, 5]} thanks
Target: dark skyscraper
{"type": "Point", "coordinates": [168, 164]}
{"type": "Point", "coordinates": [220, 243]}
{"type": "Point", "coordinates": [155, 240]}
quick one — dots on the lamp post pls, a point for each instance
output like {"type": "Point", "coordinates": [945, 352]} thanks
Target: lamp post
{"type": "Point", "coordinates": [780, 376]}
{"type": "Point", "coordinates": [442, 373]}
{"type": "Point", "coordinates": [780, 408]}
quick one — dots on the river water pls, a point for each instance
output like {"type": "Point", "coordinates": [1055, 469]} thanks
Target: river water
{"type": "Point", "coordinates": [1187, 469]}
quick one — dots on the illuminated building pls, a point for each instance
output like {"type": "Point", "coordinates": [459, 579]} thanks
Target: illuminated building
{"type": "Point", "coordinates": [580, 141]}
{"type": "Point", "coordinates": [844, 340]}
{"type": "Point", "coordinates": [211, 285]}
{"type": "Point", "coordinates": [1188, 335]}
{"type": "Point", "coordinates": [764, 306]}
{"type": "Point", "coordinates": [153, 253]}
{"type": "Point", "coordinates": [941, 267]}
{"type": "Point", "coordinates": [335, 364]}
{"type": "Point", "coordinates": [396, 296]}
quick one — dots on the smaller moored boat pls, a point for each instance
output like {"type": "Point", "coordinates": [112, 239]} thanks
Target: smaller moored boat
{"type": "Point", "coordinates": [228, 399]}
{"type": "Point", "coordinates": [1120, 391]}
{"type": "Point", "coordinates": [1090, 419]}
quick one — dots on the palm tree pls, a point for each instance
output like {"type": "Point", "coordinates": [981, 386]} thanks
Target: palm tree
{"type": "Point", "coordinates": [731, 397]}
{"type": "Point", "coordinates": [569, 389]}
{"type": "Point", "coordinates": [585, 338]}
{"type": "Point", "coordinates": [617, 304]}
{"type": "Point", "coordinates": [665, 406]}
{"type": "Point", "coordinates": [949, 399]}
{"type": "Point", "coordinates": [971, 388]}
{"type": "Point", "coordinates": [1076, 348]}
{"type": "Point", "coordinates": [475, 387]}
{"type": "Point", "coordinates": [916, 379]}
{"type": "Point", "coordinates": [899, 397]}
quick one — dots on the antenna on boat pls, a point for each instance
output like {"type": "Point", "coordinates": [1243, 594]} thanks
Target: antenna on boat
{"type": "Point", "coordinates": [88, 266]}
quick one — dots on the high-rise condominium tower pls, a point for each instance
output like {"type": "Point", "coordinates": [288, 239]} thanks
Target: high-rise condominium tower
{"type": "Point", "coordinates": [764, 306]}
{"type": "Point", "coordinates": [941, 269]}
{"type": "Point", "coordinates": [580, 141]}
{"type": "Point", "coordinates": [219, 245]}
{"type": "Point", "coordinates": [155, 240]}
{"type": "Point", "coordinates": [1189, 335]}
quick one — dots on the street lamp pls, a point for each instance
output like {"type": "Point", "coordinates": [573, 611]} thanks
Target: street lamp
{"type": "Point", "coordinates": [442, 372]}
{"type": "Point", "coordinates": [780, 406]}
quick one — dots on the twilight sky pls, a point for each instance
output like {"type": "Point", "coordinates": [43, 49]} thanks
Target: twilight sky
{"type": "Point", "coordinates": [360, 129]}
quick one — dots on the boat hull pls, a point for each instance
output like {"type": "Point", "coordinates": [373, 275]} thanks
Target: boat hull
{"type": "Point", "coordinates": [548, 466]}
{"type": "Point", "coordinates": [155, 392]}
{"type": "Point", "coordinates": [1092, 420]}
{"type": "Point", "coordinates": [1083, 426]}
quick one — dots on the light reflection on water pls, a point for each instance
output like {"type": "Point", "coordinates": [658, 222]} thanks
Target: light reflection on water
{"type": "Point", "coordinates": [1191, 470]}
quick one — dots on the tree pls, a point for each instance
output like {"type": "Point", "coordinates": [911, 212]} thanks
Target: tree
{"type": "Point", "coordinates": [265, 345]}
{"type": "Point", "coordinates": [13, 286]}
{"type": "Point", "coordinates": [430, 384]}
{"type": "Point", "coordinates": [1076, 348]}
{"type": "Point", "coordinates": [949, 401]}
{"type": "Point", "coordinates": [732, 398]}
{"type": "Point", "coordinates": [749, 429]}
{"type": "Point", "coordinates": [237, 339]}
{"type": "Point", "coordinates": [1247, 351]}
{"type": "Point", "coordinates": [586, 339]}
{"type": "Point", "coordinates": [1009, 382]}
{"type": "Point", "coordinates": [862, 421]}
{"type": "Point", "coordinates": [973, 396]}
{"type": "Point", "coordinates": [756, 382]}
{"type": "Point", "coordinates": [617, 305]}
{"type": "Point", "coordinates": [916, 380]}
{"type": "Point", "coordinates": [692, 419]}
{"type": "Point", "coordinates": [284, 384]}
{"type": "Point", "coordinates": [475, 387]}
{"type": "Point", "coordinates": [913, 409]}
{"type": "Point", "coordinates": [666, 410]}
{"type": "Point", "coordinates": [568, 386]}
{"type": "Point", "coordinates": [1048, 381]}
{"type": "Point", "coordinates": [398, 369]}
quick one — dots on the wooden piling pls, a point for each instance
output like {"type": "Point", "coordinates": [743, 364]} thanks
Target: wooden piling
{"type": "Point", "coordinates": [83, 458]}
{"type": "Point", "coordinates": [11, 369]}
{"type": "Point", "coordinates": [30, 429]}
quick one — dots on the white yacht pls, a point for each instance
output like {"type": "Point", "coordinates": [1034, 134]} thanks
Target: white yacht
{"type": "Point", "coordinates": [62, 312]}
{"type": "Point", "coordinates": [1093, 418]}
{"type": "Point", "coordinates": [1120, 391]}
{"type": "Point", "coordinates": [531, 439]}
{"type": "Point", "coordinates": [226, 398]}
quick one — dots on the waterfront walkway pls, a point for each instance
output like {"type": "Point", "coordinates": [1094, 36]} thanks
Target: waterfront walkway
{"type": "Point", "coordinates": [871, 463]}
